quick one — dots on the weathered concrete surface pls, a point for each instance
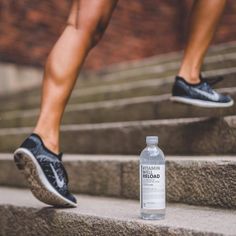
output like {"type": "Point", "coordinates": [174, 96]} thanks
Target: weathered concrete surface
{"type": "Point", "coordinates": [152, 69]}
{"type": "Point", "coordinates": [96, 177]}
{"type": "Point", "coordinates": [9, 174]}
{"type": "Point", "coordinates": [129, 80]}
{"type": "Point", "coordinates": [111, 91]}
{"type": "Point", "coordinates": [131, 109]}
{"type": "Point", "coordinates": [16, 78]}
{"type": "Point", "coordinates": [195, 136]}
{"type": "Point", "coordinates": [21, 214]}
{"type": "Point", "coordinates": [217, 56]}
{"type": "Point", "coordinates": [209, 181]}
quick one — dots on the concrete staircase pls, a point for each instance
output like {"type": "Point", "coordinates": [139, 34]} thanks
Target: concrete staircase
{"type": "Point", "coordinates": [105, 124]}
{"type": "Point", "coordinates": [208, 181]}
{"type": "Point", "coordinates": [107, 217]}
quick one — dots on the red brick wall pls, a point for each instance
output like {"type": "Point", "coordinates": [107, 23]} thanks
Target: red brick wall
{"type": "Point", "coordinates": [28, 29]}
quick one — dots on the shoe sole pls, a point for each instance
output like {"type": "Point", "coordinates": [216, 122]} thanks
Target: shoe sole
{"type": "Point", "coordinates": [200, 103]}
{"type": "Point", "coordinates": [39, 184]}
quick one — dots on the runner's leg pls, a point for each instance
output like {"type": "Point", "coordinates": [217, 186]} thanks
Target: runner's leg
{"type": "Point", "coordinates": [188, 88]}
{"type": "Point", "coordinates": [203, 22]}
{"type": "Point", "coordinates": [86, 25]}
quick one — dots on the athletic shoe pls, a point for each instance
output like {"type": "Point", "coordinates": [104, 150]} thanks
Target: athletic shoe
{"type": "Point", "coordinates": [200, 94]}
{"type": "Point", "coordinates": [44, 172]}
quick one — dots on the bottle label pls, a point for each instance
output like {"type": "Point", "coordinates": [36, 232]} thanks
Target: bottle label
{"type": "Point", "coordinates": [152, 187]}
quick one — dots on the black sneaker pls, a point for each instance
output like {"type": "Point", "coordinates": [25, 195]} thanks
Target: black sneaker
{"type": "Point", "coordinates": [200, 94]}
{"type": "Point", "coordinates": [44, 172]}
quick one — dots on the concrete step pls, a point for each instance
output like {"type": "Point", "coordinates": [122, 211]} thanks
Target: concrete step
{"type": "Point", "coordinates": [118, 176]}
{"type": "Point", "coordinates": [23, 215]}
{"type": "Point", "coordinates": [195, 136]}
{"type": "Point", "coordinates": [102, 88]}
{"type": "Point", "coordinates": [145, 87]}
{"type": "Point", "coordinates": [166, 69]}
{"type": "Point", "coordinates": [104, 92]}
{"type": "Point", "coordinates": [214, 54]}
{"type": "Point", "coordinates": [127, 109]}
{"type": "Point", "coordinates": [16, 77]}
{"type": "Point", "coordinates": [214, 51]}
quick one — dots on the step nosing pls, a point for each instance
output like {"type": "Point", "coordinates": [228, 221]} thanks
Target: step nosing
{"type": "Point", "coordinates": [75, 127]}
{"type": "Point", "coordinates": [121, 214]}
{"type": "Point", "coordinates": [163, 59]}
{"type": "Point", "coordinates": [127, 158]}
{"type": "Point", "coordinates": [158, 68]}
{"type": "Point", "coordinates": [147, 82]}
{"type": "Point", "coordinates": [120, 101]}
{"type": "Point", "coordinates": [107, 104]}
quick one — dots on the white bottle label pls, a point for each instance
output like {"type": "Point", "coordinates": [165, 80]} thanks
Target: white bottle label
{"type": "Point", "coordinates": [152, 187]}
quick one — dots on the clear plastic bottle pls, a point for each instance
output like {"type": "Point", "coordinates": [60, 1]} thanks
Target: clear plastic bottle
{"type": "Point", "coordinates": [152, 181]}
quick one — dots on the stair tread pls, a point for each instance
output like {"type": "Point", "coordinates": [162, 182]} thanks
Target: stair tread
{"type": "Point", "coordinates": [74, 127]}
{"type": "Point", "coordinates": [165, 58]}
{"type": "Point", "coordinates": [126, 212]}
{"type": "Point", "coordinates": [102, 104]}
{"type": "Point", "coordinates": [118, 176]}
{"type": "Point", "coordinates": [124, 158]}
{"type": "Point", "coordinates": [211, 136]}
{"type": "Point", "coordinates": [157, 85]}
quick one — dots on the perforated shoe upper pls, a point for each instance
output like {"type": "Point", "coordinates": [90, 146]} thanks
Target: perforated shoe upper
{"type": "Point", "coordinates": [202, 91]}
{"type": "Point", "coordinates": [50, 163]}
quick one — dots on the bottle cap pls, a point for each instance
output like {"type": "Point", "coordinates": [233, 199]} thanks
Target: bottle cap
{"type": "Point", "coordinates": [151, 139]}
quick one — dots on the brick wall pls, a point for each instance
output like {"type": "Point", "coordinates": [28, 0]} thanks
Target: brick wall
{"type": "Point", "coordinates": [28, 29]}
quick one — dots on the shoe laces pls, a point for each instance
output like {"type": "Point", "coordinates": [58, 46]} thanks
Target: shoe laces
{"type": "Point", "coordinates": [206, 87]}
{"type": "Point", "coordinates": [63, 168]}
{"type": "Point", "coordinates": [212, 81]}
{"type": "Point", "coordinates": [65, 173]}
{"type": "Point", "coordinates": [208, 83]}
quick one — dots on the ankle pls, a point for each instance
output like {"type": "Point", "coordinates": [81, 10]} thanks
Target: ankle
{"type": "Point", "coordinates": [190, 73]}
{"type": "Point", "coordinates": [50, 141]}
{"type": "Point", "coordinates": [192, 78]}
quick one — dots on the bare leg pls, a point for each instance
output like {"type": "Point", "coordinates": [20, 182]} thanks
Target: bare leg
{"type": "Point", "coordinates": [204, 19]}
{"type": "Point", "coordinates": [86, 24]}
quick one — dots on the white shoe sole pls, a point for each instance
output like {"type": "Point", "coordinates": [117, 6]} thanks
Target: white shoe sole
{"type": "Point", "coordinates": [201, 103]}
{"type": "Point", "coordinates": [38, 182]}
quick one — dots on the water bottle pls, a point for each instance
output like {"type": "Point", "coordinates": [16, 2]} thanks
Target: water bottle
{"type": "Point", "coordinates": [152, 181]}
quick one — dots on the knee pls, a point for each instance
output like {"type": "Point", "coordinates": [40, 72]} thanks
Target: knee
{"type": "Point", "coordinates": [97, 33]}
{"type": "Point", "coordinates": [92, 30]}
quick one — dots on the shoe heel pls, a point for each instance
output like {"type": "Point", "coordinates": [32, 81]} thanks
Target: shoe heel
{"type": "Point", "coordinates": [19, 160]}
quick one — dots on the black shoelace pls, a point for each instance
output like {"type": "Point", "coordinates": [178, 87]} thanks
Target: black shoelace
{"type": "Point", "coordinates": [212, 81]}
